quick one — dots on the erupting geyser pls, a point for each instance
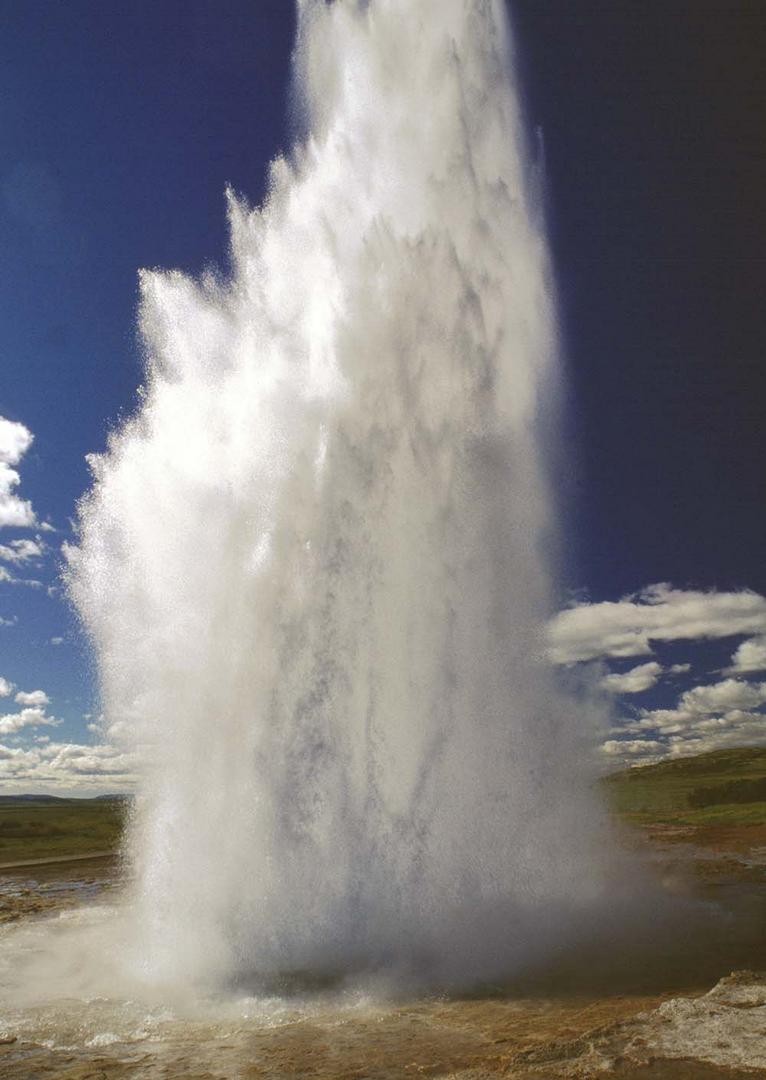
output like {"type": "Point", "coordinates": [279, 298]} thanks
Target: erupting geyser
{"type": "Point", "coordinates": [311, 563]}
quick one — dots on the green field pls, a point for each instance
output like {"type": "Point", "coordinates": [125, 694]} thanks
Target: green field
{"type": "Point", "coordinates": [724, 787]}
{"type": "Point", "coordinates": [45, 828]}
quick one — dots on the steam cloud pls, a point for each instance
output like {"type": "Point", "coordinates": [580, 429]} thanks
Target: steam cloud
{"type": "Point", "coordinates": [311, 564]}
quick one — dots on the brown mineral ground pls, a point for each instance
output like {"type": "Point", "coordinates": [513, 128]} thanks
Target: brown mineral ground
{"type": "Point", "coordinates": [45, 886]}
{"type": "Point", "coordinates": [655, 1010]}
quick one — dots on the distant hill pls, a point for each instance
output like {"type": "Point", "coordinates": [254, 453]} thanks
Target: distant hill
{"type": "Point", "coordinates": [31, 798]}
{"type": "Point", "coordinates": [720, 787]}
{"type": "Point", "coordinates": [63, 798]}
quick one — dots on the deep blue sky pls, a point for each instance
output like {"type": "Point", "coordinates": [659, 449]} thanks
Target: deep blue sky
{"type": "Point", "coordinates": [122, 123]}
{"type": "Point", "coordinates": [654, 118]}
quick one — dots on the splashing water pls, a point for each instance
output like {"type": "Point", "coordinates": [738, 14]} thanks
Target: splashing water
{"type": "Point", "coordinates": [312, 563]}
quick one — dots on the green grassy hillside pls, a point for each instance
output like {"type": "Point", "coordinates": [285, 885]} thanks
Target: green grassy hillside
{"type": "Point", "coordinates": [41, 828]}
{"type": "Point", "coordinates": [719, 788]}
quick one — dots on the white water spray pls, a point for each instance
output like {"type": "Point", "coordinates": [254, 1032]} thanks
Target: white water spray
{"type": "Point", "coordinates": [311, 564]}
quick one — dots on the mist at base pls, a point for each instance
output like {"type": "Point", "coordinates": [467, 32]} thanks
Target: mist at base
{"type": "Point", "coordinates": [315, 564]}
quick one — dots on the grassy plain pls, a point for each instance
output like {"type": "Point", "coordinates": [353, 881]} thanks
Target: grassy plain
{"type": "Point", "coordinates": [51, 828]}
{"type": "Point", "coordinates": [721, 788]}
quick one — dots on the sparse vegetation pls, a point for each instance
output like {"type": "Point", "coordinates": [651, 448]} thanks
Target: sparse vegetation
{"type": "Point", "coordinates": [46, 828]}
{"type": "Point", "coordinates": [723, 787]}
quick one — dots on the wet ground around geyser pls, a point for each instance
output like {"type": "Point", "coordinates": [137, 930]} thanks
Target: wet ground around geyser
{"type": "Point", "coordinates": [660, 1011]}
{"type": "Point", "coordinates": [46, 887]}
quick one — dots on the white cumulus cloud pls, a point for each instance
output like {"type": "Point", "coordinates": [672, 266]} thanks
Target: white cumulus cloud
{"type": "Point", "coordinates": [729, 694]}
{"type": "Point", "coordinates": [32, 697]}
{"type": "Point", "coordinates": [72, 768]}
{"type": "Point", "coordinates": [639, 678]}
{"type": "Point", "coordinates": [627, 627]}
{"type": "Point", "coordinates": [12, 723]}
{"type": "Point", "coordinates": [750, 656]}
{"type": "Point", "coordinates": [714, 717]}
{"type": "Point", "coordinates": [6, 687]}
{"type": "Point", "coordinates": [15, 440]}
